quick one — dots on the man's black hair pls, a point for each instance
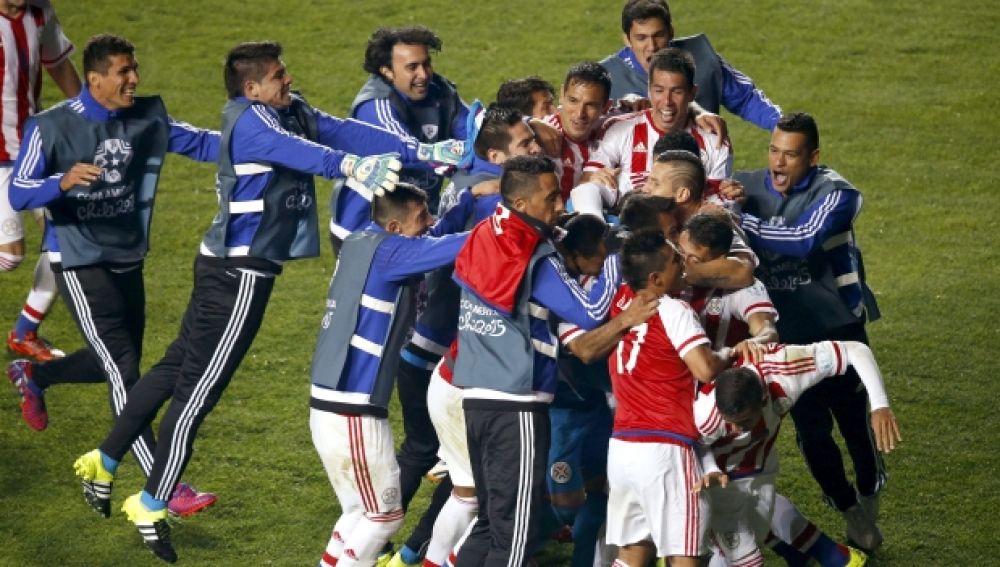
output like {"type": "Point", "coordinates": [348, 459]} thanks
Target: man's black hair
{"type": "Point", "coordinates": [673, 60]}
{"type": "Point", "coordinates": [736, 390]}
{"type": "Point", "coordinates": [710, 231]}
{"type": "Point", "coordinates": [584, 235]}
{"type": "Point", "coordinates": [248, 62]}
{"type": "Point", "coordinates": [516, 93]}
{"type": "Point", "coordinates": [802, 123]}
{"type": "Point", "coordinates": [641, 211]}
{"type": "Point", "coordinates": [378, 52]}
{"type": "Point", "coordinates": [643, 10]}
{"type": "Point", "coordinates": [494, 134]}
{"type": "Point", "coordinates": [99, 50]}
{"type": "Point", "coordinates": [689, 171]}
{"type": "Point", "coordinates": [678, 140]}
{"type": "Point", "coordinates": [589, 73]}
{"type": "Point", "coordinates": [642, 254]}
{"type": "Point", "coordinates": [395, 204]}
{"type": "Point", "coordinates": [520, 176]}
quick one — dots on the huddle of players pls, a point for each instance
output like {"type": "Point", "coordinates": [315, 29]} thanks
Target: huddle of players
{"type": "Point", "coordinates": [660, 310]}
{"type": "Point", "coordinates": [480, 368]}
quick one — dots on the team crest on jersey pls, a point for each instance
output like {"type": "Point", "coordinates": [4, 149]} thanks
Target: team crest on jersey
{"type": "Point", "coordinates": [390, 496]}
{"type": "Point", "coordinates": [430, 131]}
{"type": "Point", "coordinates": [9, 227]}
{"type": "Point", "coordinates": [113, 157]}
{"type": "Point", "coordinates": [561, 472]}
{"type": "Point", "coordinates": [714, 306]}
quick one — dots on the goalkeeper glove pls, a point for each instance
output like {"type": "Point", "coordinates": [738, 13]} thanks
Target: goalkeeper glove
{"type": "Point", "coordinates": [378, 173]}
{"type": "Point", "coordinates": [448, 152]}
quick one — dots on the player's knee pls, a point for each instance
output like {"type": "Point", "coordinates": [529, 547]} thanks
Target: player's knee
{"type": "Point", "coordinates": [9, 262]}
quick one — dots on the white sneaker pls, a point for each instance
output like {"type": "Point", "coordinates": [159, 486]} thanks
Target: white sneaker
{"type": "Point", "coordinates": [861, 529]}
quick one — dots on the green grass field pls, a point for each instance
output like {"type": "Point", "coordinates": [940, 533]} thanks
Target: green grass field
{"type": "Point", "coordinates": [905, 95]}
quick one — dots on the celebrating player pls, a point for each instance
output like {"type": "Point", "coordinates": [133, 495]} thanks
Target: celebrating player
{"type": "Point", "coordinates": [739, 416]}
{"type": "Point", "coordinates": [648, 28]}
{"type": "Point", "coordinates": [84, 168]}
{"type": "Point", "coordinates": [628, 143]}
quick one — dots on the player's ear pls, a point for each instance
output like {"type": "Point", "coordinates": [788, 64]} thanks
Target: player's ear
{"type": "Point", "coordinates": [519, 204]}
{"type": "Point", "coordinates": [495, 156]}
{"type": "Point", "coordinates": [251, 89]}
{"type": "Point", "coordinates": [683, 194]}
{"type": "Point", "coordinates": [814, 158]}
{"type": "Point", "coordinates": [386, 72]}
{"type": "Point", "coordinates": [394, 226]}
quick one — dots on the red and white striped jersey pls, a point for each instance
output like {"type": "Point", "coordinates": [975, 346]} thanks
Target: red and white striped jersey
{"type": "Point", "coordinates": [569, 168]}
{"type": "Point", "coordinates": [649, 378]}
{"type": "Point", "coordinates": [28, 42]}
{"type": "Point", "coordinates": [786, 372]}
{"type": "Point", "coordinates": [628, 143]}
{"type": "Point", "coordinates": [725, 313]}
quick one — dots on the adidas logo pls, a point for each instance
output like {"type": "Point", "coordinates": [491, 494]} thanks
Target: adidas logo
{"type": "Point", "coordinates": [640, 147]}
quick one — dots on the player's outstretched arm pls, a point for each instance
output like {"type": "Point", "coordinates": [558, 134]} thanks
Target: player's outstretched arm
{"type": "Point", "coordinates": [884, 425]}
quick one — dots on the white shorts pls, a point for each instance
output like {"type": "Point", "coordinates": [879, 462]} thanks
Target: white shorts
{"type": "Point", "coordinates": [359, 455]}
{"type": "Point", "coordinates": [650, 498]}
{"type": "Point", "coordinates": [444, 404]}
{"type": "Point", "coordinates": [741, 514]}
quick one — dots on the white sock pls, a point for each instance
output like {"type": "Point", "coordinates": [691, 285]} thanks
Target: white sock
{"type": "Point", "coordinates": [452, 522]}
{"type": "Point", "coordinates": [364, 544]}
{"type": "Point", "coordinates": [43, 287]}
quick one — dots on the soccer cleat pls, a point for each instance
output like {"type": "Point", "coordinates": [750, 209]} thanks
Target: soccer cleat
{"type": "Point", "coordinates": [96, 481]}
{"type": "Point", "coordinates": [857, 558]}
{"type": "Point", "coordinates": [33, 346]}
{"type": "Point", "coordinates": [397, 561]}
{"type": "Point", "coordinates": [32, 404]}
{"type": "Point", "coordinates": [437, 472]}
{"type": "Point", "coordinates": [385, 559]}
{"type": "Point", "coordinates": [153, 527]}
{"type": "Point", "coordinates": [862, 531]}
{"type": "Point", "coordinates": [187, 501]}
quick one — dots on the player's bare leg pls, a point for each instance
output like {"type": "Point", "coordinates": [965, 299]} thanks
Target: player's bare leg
{"type": "Point", "coordinates": [635, 554]}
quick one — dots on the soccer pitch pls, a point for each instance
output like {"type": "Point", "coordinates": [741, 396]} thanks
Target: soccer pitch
{"type": "Point", "coordinates": [906, 101]}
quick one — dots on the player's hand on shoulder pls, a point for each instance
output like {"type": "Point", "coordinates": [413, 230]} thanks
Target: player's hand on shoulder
{"type": "Point", "coordinates": [751, 351]}
{"type": "Point", "coordinates": [642, 307]}
{"type": "Point", "coordinates": [81, 174]}
{"type": "Point", "coordinates": [715, 478]}
{"type": "Point", "coordinates": [714, 124]}
{"type": "Point", "coordinates": [886, 429]}
{"type": "Point", "coordinates": [377, 173]}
